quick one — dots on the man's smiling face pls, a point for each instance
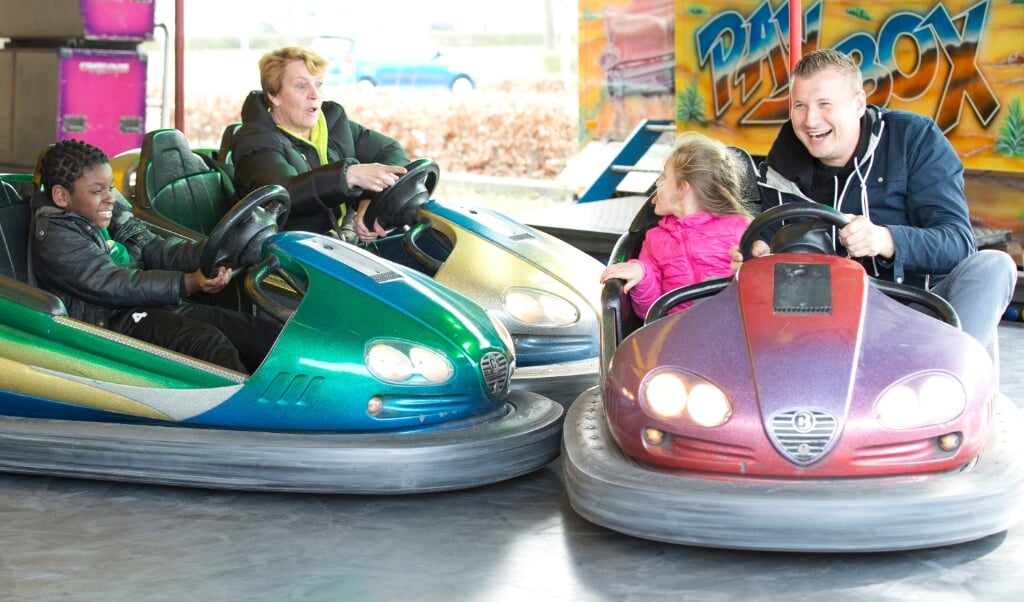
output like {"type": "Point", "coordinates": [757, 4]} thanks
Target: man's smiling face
{"type": "Point", "coordinates": [826, 108]}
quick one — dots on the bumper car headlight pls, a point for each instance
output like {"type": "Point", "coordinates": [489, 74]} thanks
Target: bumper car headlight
{"type": "Point", "coordinates": [674, 394]}
{"type": "Point", "coordinates": [921, 400]}
{"type": "Point", "coordinates": [538, 308]}
{"type": "Point", "coordinates": [401, 362]}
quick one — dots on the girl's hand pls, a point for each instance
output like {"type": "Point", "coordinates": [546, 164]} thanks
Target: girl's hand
{"type": "Point", "coordinates": [630, 271]}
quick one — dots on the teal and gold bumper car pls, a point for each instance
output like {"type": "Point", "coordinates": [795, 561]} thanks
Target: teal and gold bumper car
{"type": "Point", "coordinates": [382, 380]}
{"type": "Point", "coordinates": [545, 291]}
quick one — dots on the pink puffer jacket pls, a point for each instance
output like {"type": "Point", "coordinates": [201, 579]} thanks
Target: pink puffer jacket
{"type": "Point", "coordinates": [685, 250]}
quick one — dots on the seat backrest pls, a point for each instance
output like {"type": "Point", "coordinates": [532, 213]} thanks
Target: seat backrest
{"type": "Point", "coordinates": [179, 185]}
{"type": "Point", "coordinates": [749, 173]}
{"type": "Point", "coordinates": [227, 140]}
{"type": "Point", "coordinates": [15, 221]}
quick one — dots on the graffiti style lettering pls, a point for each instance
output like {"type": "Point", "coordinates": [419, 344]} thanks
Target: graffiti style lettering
{"type": "Point", "coordinates": [904, 59]}
{"type": "Point", "coordinates": [722, 42]}
{"type": "Point", "coordinates": [965, 81]}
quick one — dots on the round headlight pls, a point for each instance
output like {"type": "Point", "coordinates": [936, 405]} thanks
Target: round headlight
{"type": "Point", "coordinates": [432, 366]}
{"type": "Point", "coordinates": [538, 308]}
{"type": "Point", "coordinates": [921, 400]}
{"type": "Point", "coordinates": [558, 310]}
{"type": "Point", "coordinates": [522, 307]}
{"type": "Point", "coordinates": [671, 393]}
{"type": "Point", "coordinates": [388, 363]}
{"type": "Point", "coordinates": [666, 394]}
{"type": "Point", "coordinates": [708, 405]}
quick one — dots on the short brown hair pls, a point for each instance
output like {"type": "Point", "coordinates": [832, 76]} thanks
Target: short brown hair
{"type": "Point", "coordinates": [273, 63]}
{"type": "Point", "coordinates": [817, 61]}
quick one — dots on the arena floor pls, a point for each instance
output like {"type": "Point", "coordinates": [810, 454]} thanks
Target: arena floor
{"type": "Point", "coordinates": [519, 540]}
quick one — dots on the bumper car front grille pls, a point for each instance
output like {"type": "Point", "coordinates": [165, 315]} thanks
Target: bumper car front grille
{"type": "Point", "coordinates": [803, 436]}
{"type": "Point", "coordinates": [495, 369]}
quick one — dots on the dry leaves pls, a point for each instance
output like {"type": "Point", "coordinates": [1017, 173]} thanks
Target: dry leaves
{"type": "Point", "coordinates": [512, 129]}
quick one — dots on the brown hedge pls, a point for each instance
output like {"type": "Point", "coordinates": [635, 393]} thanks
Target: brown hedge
{"type": "Point", "coordinates": [510, 129]}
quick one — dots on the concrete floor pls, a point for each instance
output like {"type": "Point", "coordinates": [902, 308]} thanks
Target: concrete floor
{"type": "Point", "coordinates": [519, 540]}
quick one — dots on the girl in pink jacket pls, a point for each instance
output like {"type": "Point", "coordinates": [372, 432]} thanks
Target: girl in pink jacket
{"type": "Point", "coordinates": [698, 196]}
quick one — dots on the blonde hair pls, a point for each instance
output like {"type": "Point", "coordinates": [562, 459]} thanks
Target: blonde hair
{"type": "Point", "coordinates": [712, 170]}
{"type": "Point", "coordinates": [273, 63]}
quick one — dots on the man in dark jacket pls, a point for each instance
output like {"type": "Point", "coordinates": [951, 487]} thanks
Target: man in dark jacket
{"type": "Point", "coordinates": [110, 270]}
{"type": "Point", "coordinates": [898, 179]}
{"type": "Point", "coordinates": [292, 137]}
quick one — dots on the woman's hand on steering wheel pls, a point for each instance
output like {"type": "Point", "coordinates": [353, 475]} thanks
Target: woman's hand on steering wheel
{"type": "Point", "coordinates": [373, 176]}
{"type": "Point", "coordinates": [364, 233]}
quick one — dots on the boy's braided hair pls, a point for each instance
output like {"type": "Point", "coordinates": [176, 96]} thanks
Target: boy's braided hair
{"type": "Point", "coordinates": [66, 161]}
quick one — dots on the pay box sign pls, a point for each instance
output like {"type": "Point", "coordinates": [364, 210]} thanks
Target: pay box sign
{"type": "Point", "coordinates": [103, 99]}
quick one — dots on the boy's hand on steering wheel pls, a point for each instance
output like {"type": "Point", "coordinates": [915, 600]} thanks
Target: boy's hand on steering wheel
{"type": "Point", "coordinates": [197, 281]}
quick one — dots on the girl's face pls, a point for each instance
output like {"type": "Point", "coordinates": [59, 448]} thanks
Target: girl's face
{"type": "Point", "coordinates": [671, 194]}
{"type": "Point", "coordinates": [297, 106]}
{"type": "Point", "coordinates": [91, 195]}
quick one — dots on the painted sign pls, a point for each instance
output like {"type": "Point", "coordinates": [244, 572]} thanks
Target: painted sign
{"type": "Point", "coordinates": [627, 65]}
{"type": "Point", "coordinates": [960, 62]}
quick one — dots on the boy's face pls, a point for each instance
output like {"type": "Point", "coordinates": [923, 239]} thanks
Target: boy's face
{"type": "Point", "coordinates": [91, 195]}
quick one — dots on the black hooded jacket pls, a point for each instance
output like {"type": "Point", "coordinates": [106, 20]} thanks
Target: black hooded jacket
{"type": "Point", "coordinates": [905, 175]}
{"type": "Point", "coordinates": [71, 259]}
{"type": "Point", "coordinates": [264, 154]}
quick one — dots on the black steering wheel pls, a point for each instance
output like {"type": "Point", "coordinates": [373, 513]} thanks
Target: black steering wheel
{"type": "Point", "coordinates": [711, 286]}
{"type": "Point", "coordinates": [396, 205]}
{"type": "Point", "coordinates": [804, 236]}
{"type": "Point", "coordinates": [237, 239]}
{"type": "Point", "coordinates": [911, 295]}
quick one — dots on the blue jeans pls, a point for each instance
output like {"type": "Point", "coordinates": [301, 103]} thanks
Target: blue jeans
{"type": "Point", "coordinates": [979, 288]}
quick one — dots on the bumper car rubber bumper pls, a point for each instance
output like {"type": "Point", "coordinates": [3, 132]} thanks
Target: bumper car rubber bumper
{"type": "Point", "coordinates": [526, 438]}
{"type": "Point", "coordinates": [816, 515]}
{"type": "Point", "coordinates": [561, 382]}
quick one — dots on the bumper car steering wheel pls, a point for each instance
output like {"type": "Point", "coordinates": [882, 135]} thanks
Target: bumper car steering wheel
{"type": "Point", "coordinates": [237, 239]}
{"type": "Point", "coordinates": [802, 237]}
{"type": "Point", "coordinates": [396, 205]}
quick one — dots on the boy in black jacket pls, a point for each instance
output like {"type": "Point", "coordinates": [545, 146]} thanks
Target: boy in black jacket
{"type": "Point", "coordinates": [110, 270]}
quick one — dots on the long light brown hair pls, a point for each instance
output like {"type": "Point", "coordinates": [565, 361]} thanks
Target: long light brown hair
{"type": "Point", "coordinates": [712, 170]}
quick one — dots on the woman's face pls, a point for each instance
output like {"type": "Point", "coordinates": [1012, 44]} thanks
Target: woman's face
{"type": "Point", "coordinates": [297, 106]}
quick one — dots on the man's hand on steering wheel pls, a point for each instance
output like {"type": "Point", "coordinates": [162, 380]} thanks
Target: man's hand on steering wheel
{"type": "Point", "coordinates": [862, 238]}
{"type": "Point", "coordinates": [373, 177]}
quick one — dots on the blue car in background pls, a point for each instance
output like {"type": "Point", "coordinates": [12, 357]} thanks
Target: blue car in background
{"type": "Point", "coordinates": [414, 63]}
